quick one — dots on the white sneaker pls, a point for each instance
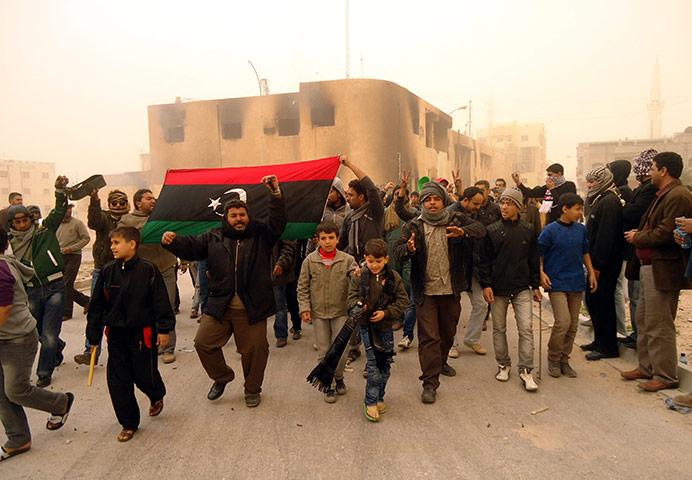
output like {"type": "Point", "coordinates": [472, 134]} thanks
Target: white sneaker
{"type": "Point", "coordinates": [453, 353]}
{"type": "Point", "coordinates": [502, 373]}
{"type": "Point", "coordinates": [405, 342]}
{"type": "Point", "coordinates": [529, 383]}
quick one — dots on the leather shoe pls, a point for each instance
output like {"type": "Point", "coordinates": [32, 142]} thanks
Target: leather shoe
{"type": "Point", "coordinates": [216, 390]}
{"type": "Point", "coordinates": [596, 355]}
{"type": "Point", "coordinates": [280, 343]}
{"type": "Point", "coordinates": [634, 375]}
{"type": "Point", "coordinates": [654, 385]}
{"type": "Point", "coordinates": [588, 347]}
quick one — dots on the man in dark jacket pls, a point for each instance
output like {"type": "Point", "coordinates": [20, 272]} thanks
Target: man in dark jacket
{"type": "Point", "coordinates": [434, 242]}
{"type": "Point", "coordinates": [102, 222]}
{"type": "Point", "coordinates": [555, 185]}
{"type": "Point", "coordinates": [603, 230]}
{"type": "Point", "coordinates": [489, 211]}
{"type": "Point", "coordinates": [632, 213]}
{"type": "Point", "coordinates": [241, 298]}
{"type": "Point", "coordinates": [660, 264]}
{"type": "Point", "coordinates": [283, 272]}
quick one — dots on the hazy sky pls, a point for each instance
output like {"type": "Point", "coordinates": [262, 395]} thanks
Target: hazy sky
{"type": "Point", "coordinates": [76, 76]}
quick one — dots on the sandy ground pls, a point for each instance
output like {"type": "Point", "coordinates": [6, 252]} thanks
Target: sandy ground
{"type": "Point", "coordinates": [595, 425]}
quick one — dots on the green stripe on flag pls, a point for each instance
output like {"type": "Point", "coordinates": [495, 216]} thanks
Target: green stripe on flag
{"type": "Point", "coordinates": [154, 230]}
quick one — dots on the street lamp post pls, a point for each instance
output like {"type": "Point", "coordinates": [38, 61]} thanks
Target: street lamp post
{"type": "Point", "coordinates": [261, 117]}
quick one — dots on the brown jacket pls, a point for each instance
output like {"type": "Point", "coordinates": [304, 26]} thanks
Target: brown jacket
{"type": "Point", "coordinates": [669, 261]}
{"type": "Point", "coordinates": [155, 253]}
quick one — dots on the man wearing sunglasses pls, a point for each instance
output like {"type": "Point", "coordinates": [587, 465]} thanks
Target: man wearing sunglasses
{"type": "Point", "coordinates": [102, 222]}
{"type": "Point", "coordinates": [37, 246]}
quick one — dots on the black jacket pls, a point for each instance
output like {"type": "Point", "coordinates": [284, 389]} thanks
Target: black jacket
{"type": "Point", "coordinates": [130, 295]}
{"type": "Point", "coordinates": [239, 264]}
{"type": "Point", "coordinates": [509, 259]}
{"type": "Point", "coordinates": [371, 225]}
{"type": "Point", "coordinates": [604, 232]}
{"type": "Point", "coordinates": [456, 247]}
{"type": "Point", "coordinates": [634, 210]}
{"type": "Point", "coordinates": [489, 214]}
{"type": "Point", "coordinates": [539, 192]}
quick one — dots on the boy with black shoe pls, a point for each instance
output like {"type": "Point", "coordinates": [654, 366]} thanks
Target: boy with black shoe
{"type": "Point", "coordinates": [509, 270]}
{"type": "Point", "coordinates": [131, 301]}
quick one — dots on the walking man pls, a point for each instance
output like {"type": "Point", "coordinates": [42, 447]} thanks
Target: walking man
{"type": "Point", "coordinates": [72, 236]}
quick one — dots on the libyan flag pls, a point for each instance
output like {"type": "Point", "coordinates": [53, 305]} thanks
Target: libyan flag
{"type": "Point", "coordinates": [191, 200]}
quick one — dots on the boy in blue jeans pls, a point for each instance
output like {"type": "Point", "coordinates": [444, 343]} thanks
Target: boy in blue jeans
{"type": "Point", "coordinates": [380, 293]}
{"type": "Point", "coordinates": [564, 251]}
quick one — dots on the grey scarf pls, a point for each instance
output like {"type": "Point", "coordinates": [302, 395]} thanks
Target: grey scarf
{"type": "Point", "coordinates": [21, 243]}
{"type": "Point", "coordinates": [437, 219]}
{"type": "Point", "coordinates": [353, 233]}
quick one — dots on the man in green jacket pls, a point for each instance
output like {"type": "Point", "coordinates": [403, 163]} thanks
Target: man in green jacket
{"type": "Point", "coordinates": [37, 246]}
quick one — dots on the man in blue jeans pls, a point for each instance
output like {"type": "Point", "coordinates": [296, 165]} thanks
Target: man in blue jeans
{"type": "Point", "coordinates": [37, 246]}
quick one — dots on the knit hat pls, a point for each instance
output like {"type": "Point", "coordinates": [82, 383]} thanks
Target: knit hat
{"type": "Point", "coordinates": [514, 195]}
{"type": "Point", "coordinates": [433, 188]}
{"type": "Point", "coordinates": [18, 210]}
{"type": "Point", "coordinates": [643, 163]}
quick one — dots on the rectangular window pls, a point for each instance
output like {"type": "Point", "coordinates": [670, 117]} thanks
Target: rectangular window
{"type": "Point", "coordinates": [4, 173]}
{"type": "Point", "coordinates": [175, 134]}
{"type": "Point", "coordinates": [289, 126]}
{"type": "Point", "coordinates": [44, 175]}
{"type": "Point", "coordinates": [524, 138]}
{"type": "Point", "coordinates": [46, 191]}
{"type": "Point", "coordinates": [27, 191]}
{"type": "Point", "coordinates": [322, 116]}
{"type": "Point", "coordinates": [26, 174]}
{"type": "Point", "coordinates": [232, 131]}
{"type": "Point", "coordinates": [5, 191]}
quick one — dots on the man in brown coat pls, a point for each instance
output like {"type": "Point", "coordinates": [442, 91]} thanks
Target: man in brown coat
{"type": "Point", "coordinates": [659, 264]}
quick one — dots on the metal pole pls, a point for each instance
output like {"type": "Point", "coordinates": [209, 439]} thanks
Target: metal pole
{"type": "Point", "coordinates": [348, 47]}
{"type": "Point", "coordinates": [261, 126]}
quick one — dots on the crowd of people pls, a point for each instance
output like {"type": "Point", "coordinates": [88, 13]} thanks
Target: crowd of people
{"type": "Point", "coordinates": [383, 258]}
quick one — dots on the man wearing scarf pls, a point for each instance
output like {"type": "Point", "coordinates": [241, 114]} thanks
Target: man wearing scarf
{"type": "Point", "coordinates": [434, 241]}
{"type": "Point", "coordinates": [603, 230]}
{"type": "Point", "coordinates": [102, 222]}
{"type": "Point", "coordinates": [555, 185]}
{"type": "Point", "coordinates": [632, 213]}
{"type": "Point", "coordinates": [38, 247]}
{"type": "Point", "coordinates": [660, 265]}
{"type": "Point", "coordinates": [239, 258]}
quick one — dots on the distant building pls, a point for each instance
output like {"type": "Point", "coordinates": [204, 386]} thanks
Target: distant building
{"type": "Point", "coordinates": [383, 128]}
{"type": "Point", "coordinates": [595, 154]}
{"type": "Point", "coordinates": [34, 180]}
{"type": "Point", "coordinates": [517, 147]}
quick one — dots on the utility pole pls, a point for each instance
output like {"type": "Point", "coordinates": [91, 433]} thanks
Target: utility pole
{"type": "Point", "coordinates": [261, 117]}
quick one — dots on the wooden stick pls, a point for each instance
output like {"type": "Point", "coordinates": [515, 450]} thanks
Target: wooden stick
{"type": "Point", "coordinates": [92, 364]}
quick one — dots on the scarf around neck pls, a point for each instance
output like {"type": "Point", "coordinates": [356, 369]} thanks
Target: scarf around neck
{"type": "Point", "coordinates": [437, 219]}
{"type": "Point", "coordinates": [353, 233]}
{"type": "Point", "coordinates": [21, 242]}
{"type": "Point", "coordinates": [558, 181]}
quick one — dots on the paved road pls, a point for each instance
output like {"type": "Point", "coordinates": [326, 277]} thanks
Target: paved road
{"type": "Point", "coordinates": [596, 425]}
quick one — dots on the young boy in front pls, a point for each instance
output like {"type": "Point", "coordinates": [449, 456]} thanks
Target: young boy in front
{"type": "Point", "coordinates": [381, 293]}
{"type": "Point", "coordinates": [564, 251]}
{"type": "Point", "coordinates": [509, 269]}
{"type": "Point", "coordinates": [131, 301]}
{"type": "Point", "coordinates": [322, 292]}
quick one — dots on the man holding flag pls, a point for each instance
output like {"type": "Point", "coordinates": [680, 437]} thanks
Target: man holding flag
{"type": "Point", "coordinates": [241, 297]}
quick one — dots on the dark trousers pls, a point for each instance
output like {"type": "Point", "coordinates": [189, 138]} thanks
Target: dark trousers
{"type": "Point", "coordinates": [72, 263]}
{"type": "Point", "coordinates": [250, 340]}
{"type": "Point", "coordinates": [131, 363]}
{"type": "Point", "coordinates": [437, 324]}
{"type": "Point", "coordinates": [292, 305]}
{"type": "Point", "coordinates": [601, 305]}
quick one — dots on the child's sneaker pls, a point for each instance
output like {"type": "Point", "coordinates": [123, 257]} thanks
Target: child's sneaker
{"type": "Point", "coordinates": [341, 387]}
{"type": "Point", "coordinates": [502, 373]}
{"type": "Point", "coordinates": [330, 396]}
{"type": "Point", "coordinates": [453, 353]}
{"type": "Point", "coordinates": [405, 343]}
{"type": "Point", "coordinates": [529, 383]}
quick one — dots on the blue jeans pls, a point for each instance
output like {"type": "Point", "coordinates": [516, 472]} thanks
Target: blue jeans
{"type": "Point", "coordinates": [87, 346]}
{"type": "Point", "coordinates": [203, 284]}
{"type": "Point", "coordinates": [410, 316]}
{"type": "Point", "coordinates": [281, 317]}
{"type": "Point", "coordinates": [46, 304]}
{"type": "Point", "coordinates": [377, 380]}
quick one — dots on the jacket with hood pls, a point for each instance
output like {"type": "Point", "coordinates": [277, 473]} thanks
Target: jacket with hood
{"type": "Point", "coordinates": [46, 258]}
{"type": "Point", "coordinates": [604, 232]}
{"type": "Point", "coordinates": [393, 310]}
{"type": "Point", "coordinates": [155, 253]}
{"type": "Point", "coordinates": [369, 226]}
{"type": "Point", "coordinates": [621, 170]}
{"type": "Point", "coordinates": [540, 191]}
{"type": "Point", "coordinates": [337, 215]}
{"type": "Point", "coordinates": [13, 275]}
{"type": "Point", "coordinates": [102, 222]}
{"type": "Point", "coordinates": [129, 296]}
{"type": "Point", "coordinates": [238, 262]}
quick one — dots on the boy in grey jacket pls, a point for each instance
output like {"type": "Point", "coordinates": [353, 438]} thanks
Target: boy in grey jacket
{"type": "Point", "coordinates": [322, 294]}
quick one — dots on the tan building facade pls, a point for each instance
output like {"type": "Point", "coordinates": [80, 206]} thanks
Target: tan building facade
{"type": "Point", "coordinates": [517, 147]}
{"type": "Point", "coordinates": [34, 180]}
{"type": "Point", "coordinates": [596, 154]}
{"type": "Point", "coordinates": [383, 128]}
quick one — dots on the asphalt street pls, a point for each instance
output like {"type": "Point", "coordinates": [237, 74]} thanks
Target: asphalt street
{"type": "Point", "coordinates": [596, 425]}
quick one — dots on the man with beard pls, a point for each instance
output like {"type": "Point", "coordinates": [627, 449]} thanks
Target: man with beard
{"type": "Point", "coordinates": [38, 247]}
{"type": "Point", "coordinates": [102, 222]}
{"type": "Point", "coordinates": [15, 198]}
{"type": "Point", "coordinates": [489, 212]}
{"type": "Point", "coordinates": [144, 204]}
{"type": "Point", "coordinates": [239, 257]}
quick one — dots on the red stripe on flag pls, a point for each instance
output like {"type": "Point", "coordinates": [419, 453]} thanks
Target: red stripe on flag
{"type": "Point", "coordinates": [323, 169]}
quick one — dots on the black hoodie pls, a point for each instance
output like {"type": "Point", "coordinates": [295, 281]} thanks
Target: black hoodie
{"type": "Point", "coordinates": [621, 170]}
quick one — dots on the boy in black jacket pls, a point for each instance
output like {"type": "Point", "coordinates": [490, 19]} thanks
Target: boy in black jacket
{"type": "Point", "coordinates": [131, 301]}
{"type": "Point", "coordinates": [508, 270]}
